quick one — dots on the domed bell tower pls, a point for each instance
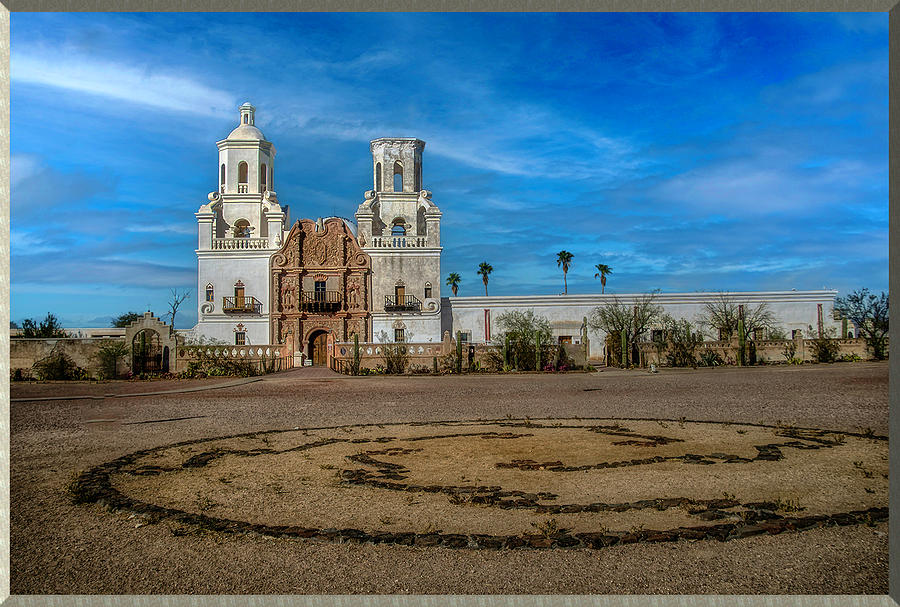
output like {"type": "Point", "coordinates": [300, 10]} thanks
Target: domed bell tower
{"type": "Point", "coordinates": [399, 227]}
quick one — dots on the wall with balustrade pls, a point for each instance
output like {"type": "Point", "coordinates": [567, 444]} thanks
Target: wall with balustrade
{"type": "Point", "coordinates": [261, 357]}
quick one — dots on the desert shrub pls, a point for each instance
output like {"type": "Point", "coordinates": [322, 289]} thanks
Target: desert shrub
{"type": "Point", "coordinates": [493, 361]}
{"type": "Point", "coordinates": [394, 354]}
{"type": "Point", "coordinates": [205, 365]}
{"type": "Point", "coordinates": [683, 340]}
{"type": "Point", "coordinates": [825, 348]}
{"type": "Point", "coordinates": [20, 374]}
{"type": "Point", "coordinates": [419, 370]}
{"type": "Point", "coordinates": [710, 358]}
{"type": "Point", "coordinates": [850, 358]}
{"type": "Point", "coordinates": [789, 351]}
{"type": "Point", "coordinates": [108, 356]}
{"type": "Point", "coordinates": [58, 366]}
{"type": "Point", "coordinates": [527, 337]}
{"type": "Point", "coordinates": [447, 363]}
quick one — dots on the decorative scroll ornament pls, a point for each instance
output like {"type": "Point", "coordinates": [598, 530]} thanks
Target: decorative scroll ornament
{"type": "Point", "coordinates": [206, 307]}
{"type": "Point", "coordinates": [214, 196]}
{"type": "Point", "coordinates": [279, 260]}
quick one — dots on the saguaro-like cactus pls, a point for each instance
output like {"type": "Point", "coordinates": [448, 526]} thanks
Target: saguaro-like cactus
{"type": "Point", "coordinates": [459, 352]}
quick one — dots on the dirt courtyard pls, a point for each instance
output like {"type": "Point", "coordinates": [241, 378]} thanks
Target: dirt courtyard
{"type": "Point", "coordinates": [541, 470]}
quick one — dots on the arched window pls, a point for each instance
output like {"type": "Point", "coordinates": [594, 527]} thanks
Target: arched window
{"type": "Point", "coordinates": [377, 176]}
{"type": "Point", "coordinates": [222, 179]}
{"type": "Point", "coordinates": [262, 178]}
{"type": "Point", "coordinates": [243, 172]}
{"type": "Point", "coordinates": [210, 293]}
{"type": "Point", "coordinates": [427, 290]}
{"type": "Point", "coordinates": [398, 177]}
{"type": "Point", "coordinates": [246, 118]}
{"type": "Point", "coordinates": [242, 228]}
{"type": "Point", "coordinates": [398, 228]}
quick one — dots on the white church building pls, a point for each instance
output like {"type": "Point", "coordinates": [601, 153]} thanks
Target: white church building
{"type": "Point", "coordinates": [265, 280]}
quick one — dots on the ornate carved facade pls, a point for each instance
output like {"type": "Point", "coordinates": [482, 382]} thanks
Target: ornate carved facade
{"type": "Point", "coordinates": [321, 281]}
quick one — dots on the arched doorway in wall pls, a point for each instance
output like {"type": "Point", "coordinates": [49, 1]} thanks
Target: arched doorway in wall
{"type": "Point", "coordinates": [147, 353]}
{"type": "Point", "coordinates": [317, 347]}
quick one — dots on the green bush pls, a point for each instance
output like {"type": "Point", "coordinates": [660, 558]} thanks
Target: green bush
{"type": "Point", "coordinates": [58, 366]}
{"type": "Point", "coordinates": [108, 356]}
{"type": "Point", "coordinates": [710, 358]}
{"type": "Point", "coordinates": [825, 348]}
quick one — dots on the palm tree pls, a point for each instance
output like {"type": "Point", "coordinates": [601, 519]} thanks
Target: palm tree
{"type": "Point", "coordinates": [602, 271]}
{"type": "Point", "coordinates": [453, 281]}
{"type": "Point", "coordinates": [564, 259]}
{"type": "Point", "coordinates": [483, 270]}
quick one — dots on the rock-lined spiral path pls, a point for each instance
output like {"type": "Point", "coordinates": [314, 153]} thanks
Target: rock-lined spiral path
{"type": "Point", "coordinates": [692, 480]}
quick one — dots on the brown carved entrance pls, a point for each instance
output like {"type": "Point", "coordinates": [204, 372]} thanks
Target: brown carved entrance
{"type": "Point", "coordinates": [318, 348]}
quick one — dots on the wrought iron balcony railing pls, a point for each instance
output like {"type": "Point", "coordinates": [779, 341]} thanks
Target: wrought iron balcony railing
{"type": "Point", "coordinates": [243, 303]}
{"type": "Point", "coordinates": [405, 303]}
{"type": "Point", "coordinates": [320, 301]}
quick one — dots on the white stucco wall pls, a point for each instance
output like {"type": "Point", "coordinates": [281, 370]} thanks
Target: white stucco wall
{"type": "Point", "coordinates": [223, 269]}
{"type": "Point", "coordinates": [793, 309]}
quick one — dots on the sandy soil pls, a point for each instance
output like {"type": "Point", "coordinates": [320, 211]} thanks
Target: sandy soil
{"type": "Point", "coordinates": [61, 548]}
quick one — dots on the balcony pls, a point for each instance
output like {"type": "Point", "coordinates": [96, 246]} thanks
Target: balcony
{"type": "Point", "coordinates": [319, 302]}
{"type": "Point", "coordinates": [239, 244]}
{"type": "Point", "coordinates": [404, 303]}
{"type": "Point", "coordinates": [243, 304]}
{"type": "Point", "coordinates": [397, 242]}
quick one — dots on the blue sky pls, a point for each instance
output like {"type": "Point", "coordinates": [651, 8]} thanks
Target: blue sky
{"type": "Point", "coordinates": [687, 151]}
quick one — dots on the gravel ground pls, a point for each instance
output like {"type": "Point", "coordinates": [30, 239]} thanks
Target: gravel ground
{"type": "Point", "coordinates": [61, 548]}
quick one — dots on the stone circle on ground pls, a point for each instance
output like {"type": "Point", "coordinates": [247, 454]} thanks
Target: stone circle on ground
{"type": "Point", "coordinates": [508, 483]}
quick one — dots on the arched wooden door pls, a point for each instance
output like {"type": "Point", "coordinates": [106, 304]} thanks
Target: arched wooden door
{"type": "Point", "coordinates": [318, 348]}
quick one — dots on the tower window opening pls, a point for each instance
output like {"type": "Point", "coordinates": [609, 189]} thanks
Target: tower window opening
{"type": "Point", "coordinates": [242, 228]}
{"type": "Point", "coordinates": [398, 177]}
{"type": "Point", "coordinates": [243, 179]}
{"type": "Point", "coordinates": [427, 290]}
{"type": "Point", "coordinates": [377, 176]}
{"type": "Point", "coordinates": [246, 118]}
{"type": "Point", "coordinates": [399, 228]}
{"type": "Point", "coordinates": [222, 179]}
{"type": "Point", "coordinates": [210, 293]}
{"type": "Point", "coordinates": [262, 178]}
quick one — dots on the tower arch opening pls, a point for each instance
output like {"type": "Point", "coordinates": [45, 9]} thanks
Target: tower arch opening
{"type": "Point", "coordinates": [398, 176]}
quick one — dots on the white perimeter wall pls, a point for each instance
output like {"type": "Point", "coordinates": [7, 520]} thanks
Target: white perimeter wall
{"type": "Point", "coordinates": [792, 309]}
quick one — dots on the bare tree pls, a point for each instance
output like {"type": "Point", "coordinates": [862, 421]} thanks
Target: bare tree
{"type": "Point", "coordinates": [721, 316]}
{"type": "Point", "coordinates": [617, 317]}
{"type": "Point", "coordinates": [871, 313]}
{"type": "Point", "coordinates": [175, 301]}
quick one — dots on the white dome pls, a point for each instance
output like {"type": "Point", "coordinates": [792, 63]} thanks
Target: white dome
{"type": "Point", "coordinates": [246, 132]}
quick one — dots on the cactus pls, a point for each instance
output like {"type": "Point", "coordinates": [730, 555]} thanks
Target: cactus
{"type": "Point", "coordinates": [459, 352]}
{"type": "Point", "coordinates": [355, 369]}
{"type": "Point", "coordinates": [506, 352]}
{"type": "Point", "coordinates": [741, 342]}
{"type": "Point", "coordinates": [434, 364]}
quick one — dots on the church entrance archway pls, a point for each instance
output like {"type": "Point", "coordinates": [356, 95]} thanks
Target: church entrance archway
{"type": "Point", "coordinates": [317, 349]}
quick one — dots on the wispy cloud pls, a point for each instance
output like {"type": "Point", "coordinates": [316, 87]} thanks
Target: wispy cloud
{"type": "Point", "coordinates": [142, 85]}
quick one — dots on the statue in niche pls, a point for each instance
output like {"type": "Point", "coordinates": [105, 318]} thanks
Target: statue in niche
{"type": "Point", "coordinates": [288, 293]}
{"type": "Point", "coordinates": [353, 289]}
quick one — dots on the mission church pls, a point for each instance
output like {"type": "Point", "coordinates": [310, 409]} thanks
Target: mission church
{"type": "Point", "coordinates": [311, 284]}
